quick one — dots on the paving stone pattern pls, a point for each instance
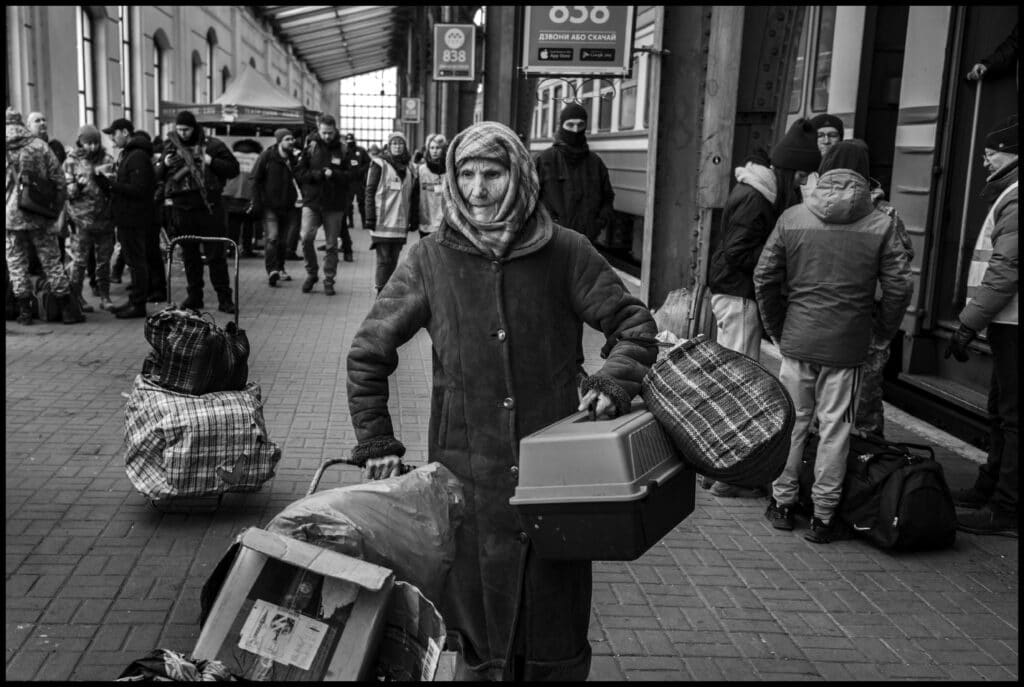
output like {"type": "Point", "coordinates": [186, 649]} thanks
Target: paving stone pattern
{"type": "Point", "coordinates": [96, 577]}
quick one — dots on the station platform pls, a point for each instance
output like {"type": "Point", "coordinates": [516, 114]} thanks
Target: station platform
{"type": "Point", "coordinates": [96, 577]}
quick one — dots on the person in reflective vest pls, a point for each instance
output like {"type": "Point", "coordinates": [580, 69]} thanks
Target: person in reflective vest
{"type": "Point", "coordinates": [392, 205]}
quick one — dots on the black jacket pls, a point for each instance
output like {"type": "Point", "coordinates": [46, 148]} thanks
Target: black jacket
{"type": "Point", "coordinates": [578, 195]}
{"type": "Point", "coordinates": [273, 181]}
{"type": "Point", "coordinates": [318, 191]}
{"type": "Point", "coordinates": [131, 200]}
{"type": "Point", "coordinates": [181, 187]}
{"type": "Point", "coordinates": [747, 221]}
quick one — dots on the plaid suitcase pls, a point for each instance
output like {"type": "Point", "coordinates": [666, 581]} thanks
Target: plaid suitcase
{"type": "Point", "coordinates": [729, 417]}
{"type": "Point", "coordinates": [185, 445]}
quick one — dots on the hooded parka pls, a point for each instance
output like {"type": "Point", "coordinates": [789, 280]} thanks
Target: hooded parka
{"type": "Point", "coordinates": [505, 334]}
{"type": "Point", "coordinates": [134, 184]}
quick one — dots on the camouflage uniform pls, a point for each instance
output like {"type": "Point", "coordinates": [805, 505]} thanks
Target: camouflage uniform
{"type": "Point", "coordinates": [26, 152]}
{"type": "Point", "coordinates": [870, 414]}
{"type": "Point", "coordinates": [88, 208]}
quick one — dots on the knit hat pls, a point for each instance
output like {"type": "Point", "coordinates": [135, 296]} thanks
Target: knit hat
{"type": "Point", "coordinates": [1004, 137]}
{"type": "Point", "coordinates": [12, 116]}
{"type": "Point", "coordinates": [828, 120]}
{"type": "Point", "coordinates": [89, 134]}
{"type": "Point", "coordinates": [798, 149]}
{"type": "Point", "coordinates": [281, 133]}
{"type": "Point", "coordinates": [186, 118]}
{"type": "Point", "coordinates": [350, 137]}
{"type": "Point", "coordinates": [397, 134]}
{"type": "Point", "coordinates": [572, 111]}
{"type": "Point", "coordinates": [852, 155]}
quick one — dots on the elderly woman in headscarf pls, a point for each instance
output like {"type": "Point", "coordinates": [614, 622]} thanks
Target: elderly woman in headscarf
{"type": "Point", "coordinates": [504, 293]}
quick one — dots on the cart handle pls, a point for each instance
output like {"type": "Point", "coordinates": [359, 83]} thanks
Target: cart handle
{"type": "Point", "coordinates": [192, 237]}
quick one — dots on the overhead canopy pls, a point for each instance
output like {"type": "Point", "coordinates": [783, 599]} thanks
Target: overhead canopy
{"type": "Point", "coordinates": [250, 99]}
{"type": "Point", "coordinates": [338, 41]}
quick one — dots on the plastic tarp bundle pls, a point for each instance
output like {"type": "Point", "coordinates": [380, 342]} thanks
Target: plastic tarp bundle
{"type": "Point", "coordinates": [404, 523]}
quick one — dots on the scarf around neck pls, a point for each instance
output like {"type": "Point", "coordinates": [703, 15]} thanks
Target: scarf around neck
{"type": "Point", "coordinates": [573, 144]}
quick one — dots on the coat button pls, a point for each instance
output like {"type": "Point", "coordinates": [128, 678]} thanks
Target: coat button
{"type": "Point", "coordinates": [522, 537]}
{"type": "Point", "coordinates": [514, 469]}
{"type": "Point", "coordinates": [496, 266]}
{"type": "Point", "coordinates": [509, 403]}
{"type": "Point", "coordinates": [502, 335]}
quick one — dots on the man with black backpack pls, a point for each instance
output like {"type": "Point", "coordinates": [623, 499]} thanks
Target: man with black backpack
{"type": "Point", "coordinates": [992, 304]}
{"type": "Point", "coordinates": [193, 171]}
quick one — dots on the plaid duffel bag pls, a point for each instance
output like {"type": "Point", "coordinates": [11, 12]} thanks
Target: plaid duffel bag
{"type": "Point", "coordinates": [192, 355]}
{"type": "Point", "coordinates": [729, 417]}
{"type": "Point", "coordinates": [185, 445]}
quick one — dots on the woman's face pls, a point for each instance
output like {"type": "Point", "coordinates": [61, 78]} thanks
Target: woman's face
{"type": "Point", "coordinates": [397, 146]}
{"type": "Point", "coordinates": [434, 150]}
{"type": "Point", "coordinates": [483, 185]}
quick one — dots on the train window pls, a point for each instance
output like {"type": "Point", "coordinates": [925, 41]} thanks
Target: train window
{"type": "Point", "coordinates": [797, 88]}
{"type": "Point", "coordinates": [545, 114]}
{"type": "Point", "coordinates": [606, 104]}
{"type": "Point", "coordinates": [823, 59]}
{"type": "Point", "coordinates": [627, 108]}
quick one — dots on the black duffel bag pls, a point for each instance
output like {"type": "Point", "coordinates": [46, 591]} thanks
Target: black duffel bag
{"type": "Point", "coordinates": [193, 355]}
{"type": "Point", "coordinates": [727, 415]}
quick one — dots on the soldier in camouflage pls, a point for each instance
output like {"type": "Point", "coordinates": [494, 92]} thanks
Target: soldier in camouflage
{"type": "Point", "coordinates": [28, 154]}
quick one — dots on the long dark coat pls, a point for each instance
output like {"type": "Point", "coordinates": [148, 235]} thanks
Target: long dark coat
{"type": "Point", "coordinates": [505, 338]}
{"type": "Point", "coordinates": [579, 195]}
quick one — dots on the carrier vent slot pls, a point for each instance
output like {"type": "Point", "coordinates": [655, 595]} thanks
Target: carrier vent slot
{"type": "Point", "coordinates": [648, 448]}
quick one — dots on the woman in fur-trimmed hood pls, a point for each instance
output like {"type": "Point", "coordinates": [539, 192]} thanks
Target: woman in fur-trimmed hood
{"type": "Point", "coordinates": [504, 293]}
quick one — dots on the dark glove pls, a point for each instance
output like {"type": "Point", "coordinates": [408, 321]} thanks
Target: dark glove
{"type": "Point", "coordinates": [173, 161]}
{"type": "Point", "coordinates": [958, 344]}
{"type": "Point", "coordinates": [103, 182]}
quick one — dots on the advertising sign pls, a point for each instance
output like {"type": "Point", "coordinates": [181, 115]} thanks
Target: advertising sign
{"type": "Point", "coordinates": [411, 109]}
{"type": "Point", "coordinates": [578, 40]}
{"type": "Point", "coordinates": [454, 52]}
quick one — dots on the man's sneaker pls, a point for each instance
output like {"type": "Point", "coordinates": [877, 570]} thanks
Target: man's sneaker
{"type": "Point", "coordinates": [969, 498]}
{"type": "Point", "coordinates": [274, 276]}
{"type": "Point", "coordinates": [307, 285]}
{"type": "Point", "coordinates": [285, 276]}
{"type": "Point", "coordinates": [820, 533]}
{"type": "Point", "coordinates": [986, 521]}
{"type": "Point", "coordinates": [329, 288]}
{"type": "Point", "coordinates": [781, 517]}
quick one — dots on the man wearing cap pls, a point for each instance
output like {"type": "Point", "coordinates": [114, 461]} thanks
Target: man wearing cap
{"type": "Point", "coordinates": [193, 171]}
{"type": "Point", "coordinates": [276, 199]}
{"type": "Point", "coordinates": [359, 162]}
{"type": "Point", "coordinates": [992, 304]}
{"type": "Point", "coordinates": [815, 287]}
{"type": "Point", "coordinates": [88, 209]}
{"type": "Point", "coordinates": [324, 180]}
{"type": "Point", "coordinates": [29, 157]}
{"type": "Point", "coordinates": [574, 182]}
{"type": "Point", "coordinates": [131, 186]}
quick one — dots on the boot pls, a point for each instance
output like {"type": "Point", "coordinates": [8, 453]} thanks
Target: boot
{"type": "Point", "coordinates": [225, 303]}
{"type": "Point", "coordinates": [194, 301]}
{"type": "Point", "coordinates": [105, 303]}
{"type": "Point", "coordinates": [68, 312]}
{"type": "Point", "coordinates": [25, 310]}
{"type": "Point", "coordinates": [85, 307]}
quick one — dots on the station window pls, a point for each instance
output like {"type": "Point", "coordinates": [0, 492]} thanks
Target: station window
{"type": "Point", "coordinates": [197, 76]}
{"type": "Point", "coordinates": [211, 51]}
{"type": "Point", "coordinates": [86, 67]}
{"type": "Point", "coordinates": [158, 81]}
{"type": "Point", "coordinates": [225, 79]}
{"type": "Point", "coordinates": [124, 25]}
{"type": "Point", "coordinates": [368, 106]}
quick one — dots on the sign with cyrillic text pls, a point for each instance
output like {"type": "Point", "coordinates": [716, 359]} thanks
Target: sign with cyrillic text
{"type": "Point", "coordinates": [578, 40]}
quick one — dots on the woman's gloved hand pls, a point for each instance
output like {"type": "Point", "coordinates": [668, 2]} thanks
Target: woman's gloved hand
{"type": "Point", "coordinates": [599, 404]}
{"type": "Point", "coordinates": [382, 468]}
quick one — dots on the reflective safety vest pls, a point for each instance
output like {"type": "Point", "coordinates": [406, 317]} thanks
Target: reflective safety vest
{"type": "Point", "coordinates": [392, 198]}
{"type": "Point", "coordinates": [431, 210]}
{"type": "Point", "coordinates": [982, 255]}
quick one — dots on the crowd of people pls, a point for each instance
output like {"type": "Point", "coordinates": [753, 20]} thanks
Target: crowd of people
{"type": "Point", "coordinates": [810, 254]}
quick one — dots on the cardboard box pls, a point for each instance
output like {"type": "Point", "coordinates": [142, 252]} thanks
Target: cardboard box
{"type": "Point", "coordinates": [289, 610]}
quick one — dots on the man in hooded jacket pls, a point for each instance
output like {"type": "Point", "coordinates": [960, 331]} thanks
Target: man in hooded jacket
{"type": "Point", "coordinates": [815, 285]}
{"type": "Point", "coordinates": [574, 183]}
{"type": "Point", "coordinates": [193, 171]}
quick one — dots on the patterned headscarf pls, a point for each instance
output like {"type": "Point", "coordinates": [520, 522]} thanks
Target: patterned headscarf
{"type": "Point", "coordinates": [496, 142]}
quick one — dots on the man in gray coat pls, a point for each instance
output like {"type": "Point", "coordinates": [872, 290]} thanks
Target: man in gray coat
{"type": "Point", "coordinates": [815, 284]}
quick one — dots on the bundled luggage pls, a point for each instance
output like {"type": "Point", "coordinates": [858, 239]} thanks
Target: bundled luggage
{"type": "Point", "coordinates": [192, 355]}
{"type": "Point", "coordinates": [728, 417]}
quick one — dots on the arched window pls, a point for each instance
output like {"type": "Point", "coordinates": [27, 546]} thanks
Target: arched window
{"type": "Point", "coordinates": [225, 79]}
{"type": "Point", "coordinates": [160, 76]}
{"type": "Point", "coordinates": [197, 76]}
{"type": "Point", "coordinates": [211, 48]}
{"type": "Point", "coordinates": [86, 67]}
{"type": "Point", "coordinates": [124, 26]}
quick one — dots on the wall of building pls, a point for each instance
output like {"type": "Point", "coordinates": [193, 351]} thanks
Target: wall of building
{"type": "Point", "coordinates": [42, 60]}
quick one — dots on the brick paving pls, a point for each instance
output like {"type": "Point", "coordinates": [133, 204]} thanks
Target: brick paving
{"type": "Point", "coordinates": [96, 577]}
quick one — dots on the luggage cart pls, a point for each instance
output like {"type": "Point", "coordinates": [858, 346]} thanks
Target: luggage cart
{"type": "Point", "coordinates": [210, 503]}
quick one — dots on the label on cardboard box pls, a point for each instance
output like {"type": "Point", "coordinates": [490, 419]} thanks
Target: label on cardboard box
{"type": "Point", "coordinates": [274, 632]}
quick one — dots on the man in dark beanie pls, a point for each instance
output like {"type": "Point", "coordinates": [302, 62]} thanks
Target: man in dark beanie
{"type": "Point", "coordinates": [992, 304]}
{"type": "Point", "coordinates": [827, 254]}
{"type": "Point", "coordinates": [574, 183]}
{"type": "Point", "coordinates": [830, 131]}
{"type": "Point", "coordinates": [193, 171]}
{"type": "Point", "coordinates": [276, 202]}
